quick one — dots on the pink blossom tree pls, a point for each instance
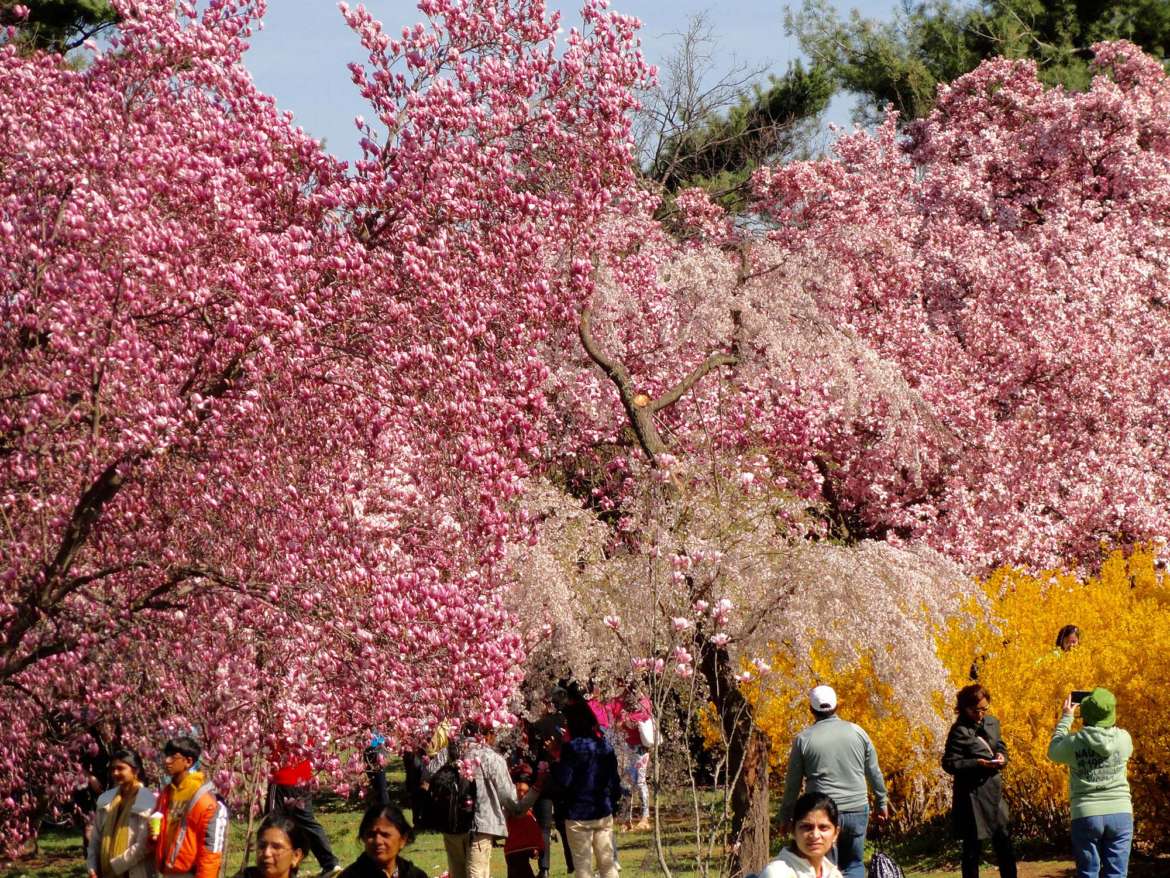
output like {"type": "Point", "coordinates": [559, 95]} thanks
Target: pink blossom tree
{"type": "Point", "coordinates": [1009, 258]}
{"type": "Point", "coordinates": [701, 367]}
{"type": "Point", "coordinates": [262, 420]}
{"type": "Point", "coordinates": [948, 343]}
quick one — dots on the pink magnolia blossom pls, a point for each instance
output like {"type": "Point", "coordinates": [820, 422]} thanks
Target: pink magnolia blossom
{"type": "Point", "coordinates": [265, 418]}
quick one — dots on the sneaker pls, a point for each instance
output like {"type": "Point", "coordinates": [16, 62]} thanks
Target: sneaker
{"type": "Point", "coordinates": [331, 872]}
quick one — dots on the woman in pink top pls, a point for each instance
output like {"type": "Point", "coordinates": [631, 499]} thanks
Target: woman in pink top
{"type": "Point", "coordinates": [629, 711]}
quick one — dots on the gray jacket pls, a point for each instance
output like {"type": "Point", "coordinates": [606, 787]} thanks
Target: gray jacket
{"type": "Point", "coordinates": [495, 793]}
{"type": "Point", "coordinates": [835, 758]}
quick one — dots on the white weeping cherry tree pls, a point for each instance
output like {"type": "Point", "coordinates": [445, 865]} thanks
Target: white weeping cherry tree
{"type": "Point", "coordinates": [674, 545]}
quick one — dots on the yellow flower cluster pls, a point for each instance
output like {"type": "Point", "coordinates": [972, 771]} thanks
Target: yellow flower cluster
{"type": "Point", "coordinates": [1124, 617]}
{"type": "Point", "coordinates": [1123, 614]}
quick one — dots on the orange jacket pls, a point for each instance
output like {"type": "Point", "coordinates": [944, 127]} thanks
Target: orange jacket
{"type": "Point", "coordinates": [199, 843]}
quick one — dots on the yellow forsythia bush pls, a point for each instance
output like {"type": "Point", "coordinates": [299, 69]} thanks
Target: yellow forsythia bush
{"type": "Point", "coordinates": [1124, 617]}
{"type": "Point", "coordinates": [1123, 613]}
{"type": "Point", "coordinates": [908, 750]}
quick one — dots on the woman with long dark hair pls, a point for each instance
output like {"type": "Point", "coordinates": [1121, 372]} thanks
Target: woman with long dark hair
{"type": "Point", "coordinates": [120, 845]}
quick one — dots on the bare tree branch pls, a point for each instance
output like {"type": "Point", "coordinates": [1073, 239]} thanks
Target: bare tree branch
{"type": "Point", "coordinates": [637, 405]}
{"type": "Point", "coordinates": [675, 393]}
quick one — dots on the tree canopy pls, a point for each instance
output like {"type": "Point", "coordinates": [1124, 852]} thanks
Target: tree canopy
{"type": "Point", "coordinates": [720, 149]}
{"type": "Point", "coordinates": [710, 121]}
{"type": "Point", "coordinates": [226, 364]}
{"type": "Point", "coordinates": [903, 61]}
{"type": "Point", "coordinates": [57, 25]}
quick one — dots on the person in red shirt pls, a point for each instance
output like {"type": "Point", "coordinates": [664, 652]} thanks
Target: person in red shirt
{"type": "Point", "coordinates": [525, 840]}
{"type": "Point", "coordinates": [290, 793]}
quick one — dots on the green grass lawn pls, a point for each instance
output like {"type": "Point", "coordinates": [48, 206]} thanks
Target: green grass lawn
{"type": "Point", "coordinates": [60, 854]}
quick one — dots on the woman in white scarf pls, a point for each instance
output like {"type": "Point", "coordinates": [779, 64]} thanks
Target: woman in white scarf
{"type": "Point", "coordinates": [120, 845]}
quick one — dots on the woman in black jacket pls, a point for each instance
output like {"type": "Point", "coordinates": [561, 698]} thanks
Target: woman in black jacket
{"type": "Point", "coordinates": [975, 755]}
{"type": "Point", "coordinates": [384, 833]}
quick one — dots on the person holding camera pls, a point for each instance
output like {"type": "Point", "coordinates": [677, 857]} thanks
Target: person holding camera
{"type": "Point", "coordinates": [975, 755]}
{"type": "Point", "coordinates": [1097, 756]}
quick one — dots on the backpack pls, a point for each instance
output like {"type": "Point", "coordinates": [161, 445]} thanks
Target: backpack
{"type": "Point", "coordinates": [450, 801]}
{"type": "Point", "coordinates": [882, 865]}
{"type": "Point", "coordinates": [221, 821]}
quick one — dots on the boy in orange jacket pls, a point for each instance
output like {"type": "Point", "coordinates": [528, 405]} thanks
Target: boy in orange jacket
{"type": "Point", "coordinates": [193, 832]}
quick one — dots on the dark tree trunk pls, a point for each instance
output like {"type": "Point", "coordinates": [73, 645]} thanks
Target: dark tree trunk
{"type": "Point", "coordinates": [747, 760]}
{"type": "Point", "coordinates": [750, 815]}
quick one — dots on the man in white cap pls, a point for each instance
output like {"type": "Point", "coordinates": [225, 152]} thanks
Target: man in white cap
{"type": "Point", "coordinates": [836, 758]}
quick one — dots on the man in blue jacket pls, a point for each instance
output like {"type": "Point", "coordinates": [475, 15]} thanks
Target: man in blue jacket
{"type": "Point", "coordinates": [587, 776]}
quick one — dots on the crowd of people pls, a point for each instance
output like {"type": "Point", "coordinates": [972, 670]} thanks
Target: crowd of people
{"type": "Point", "coordinates": [565, 772]}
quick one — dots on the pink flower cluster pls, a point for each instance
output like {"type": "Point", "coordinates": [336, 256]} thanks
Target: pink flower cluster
{"type": "Point", "coordinates": [263, 419]}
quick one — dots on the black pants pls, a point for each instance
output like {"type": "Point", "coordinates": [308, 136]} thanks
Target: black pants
{"type": "Point", "coordinates": [296, 803]}
{"type": "Point", "coordinates": [1001, 843]}
{"type": "Point", "coordinates": [379, 791]}
{"type": "Point", "coordinates": [519, 864]}
{"type": "Point", "coordinates": [544, 812]}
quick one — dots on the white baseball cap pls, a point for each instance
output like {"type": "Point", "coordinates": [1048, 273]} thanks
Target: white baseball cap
{"type": "Point", "coordinates": [822, 698]}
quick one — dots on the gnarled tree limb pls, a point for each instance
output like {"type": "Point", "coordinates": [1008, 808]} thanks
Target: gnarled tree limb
{"type": "Point", "coordinates": [675, 393]}
{"type": "Point", "coordinates": [640, 409]}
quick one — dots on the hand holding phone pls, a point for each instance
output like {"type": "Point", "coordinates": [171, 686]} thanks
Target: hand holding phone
{"type": "Point", "coordinates": [1079, 695]}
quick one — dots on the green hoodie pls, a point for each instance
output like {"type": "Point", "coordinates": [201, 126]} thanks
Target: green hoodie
{"type": "Point", "coordinates": [1096, 758]}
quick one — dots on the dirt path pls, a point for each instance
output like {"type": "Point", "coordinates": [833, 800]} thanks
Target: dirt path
{"type": "Point", "coordinates": [1053, 869]}
{"type": "Point", "coordinates": [1026, 870]}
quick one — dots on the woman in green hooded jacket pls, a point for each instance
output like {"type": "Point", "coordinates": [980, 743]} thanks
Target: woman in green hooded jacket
{"type": "Point", "coordinates": [1102, 812]}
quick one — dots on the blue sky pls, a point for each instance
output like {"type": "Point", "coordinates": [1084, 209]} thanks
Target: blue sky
{"type": "Point", "coordinates": [301, 54]}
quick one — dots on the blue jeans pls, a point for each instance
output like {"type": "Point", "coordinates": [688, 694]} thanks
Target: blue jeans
{"type": "Point", "coordinates": [1101, 845]}
{"type": "Point", "coordinates": [849, 850]}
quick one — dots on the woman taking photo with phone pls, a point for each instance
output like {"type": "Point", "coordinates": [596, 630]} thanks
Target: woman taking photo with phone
{"type": "Point", "coordinates": [1097, 757]}
{"type": "Point", "coordinates": [816, 823]}
{"type": "Point", "coordinates": [975, 755]}
{"type": "Point", "coordinates": [120, 844]}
